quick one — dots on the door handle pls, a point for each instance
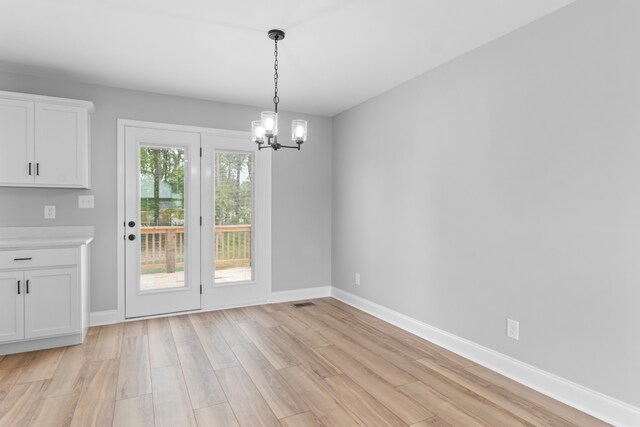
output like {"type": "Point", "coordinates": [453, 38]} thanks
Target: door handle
{"type": "Point", "coordinates": [38, 169]}
{"type": "Point", "coordinates": [132, 224]}
{"type": "Point", "coordinates": [29, 168]}
{"type": "Point", "coordinates": [19, 287]}
{"type": "Point", "coordinates": [132, 237]}
{"type": "Point", "coordinates": [27, 286]}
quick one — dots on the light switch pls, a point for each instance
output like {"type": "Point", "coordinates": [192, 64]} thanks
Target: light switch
{"type": "Point", "coordinates": [85, 202]}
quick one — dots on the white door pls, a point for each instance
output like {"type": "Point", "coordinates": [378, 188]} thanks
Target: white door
{"type": "Point", "coordinates": [162, 221]}
{"type": "Point", "coordinates": [16, 142]}
{"type": "Point", "coordinates": [11, 306]}
{"type": "Point", "coordinates": [236, 181]}
{"type": "Point", "coordinates": [61, 145]}
{"type": "Point", "coordinates": [51, 303]}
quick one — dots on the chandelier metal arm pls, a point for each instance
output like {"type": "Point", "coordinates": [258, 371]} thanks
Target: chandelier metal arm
{"type": "Point", "coordinates": [272, 142]}
{"type": "Point", "coordinates": [297, 147]}
{"type": "Point", "coordinates": [276, 147]}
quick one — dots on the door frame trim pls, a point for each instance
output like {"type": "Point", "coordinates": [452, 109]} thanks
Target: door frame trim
{"type": "Point", "coordinates": [120, 192]}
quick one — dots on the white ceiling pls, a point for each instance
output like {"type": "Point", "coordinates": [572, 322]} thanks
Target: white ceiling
{"type": "Point", "coordinates": [336, 54]}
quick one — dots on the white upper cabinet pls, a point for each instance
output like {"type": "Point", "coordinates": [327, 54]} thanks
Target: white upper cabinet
{"type": "Point", "coordinates": [61, 150]}
{"type": "Point", "coordinates": [44, 141]}
{"type": "Point", "coordinates": [16, 141]}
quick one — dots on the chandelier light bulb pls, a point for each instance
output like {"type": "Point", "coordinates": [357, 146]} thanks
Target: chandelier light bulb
{"type": "Point", "coordinates": [270, 122]}
{"type": "Point", "coordinates": [298, 131]}
{"type": "Point", "coordinates": [257, 131]}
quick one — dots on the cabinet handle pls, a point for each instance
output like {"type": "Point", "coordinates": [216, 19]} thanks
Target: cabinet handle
{"type": "Point", "coordinates": [29, 168]}
{"type": "Point", "coordinates": [19, 287]}
{"type": "Point", "coordinates": [38, 169]}
{"type": "Point", "coordinates": [23, 259]}
{"type": "Point", "coordinates": [27, 286]}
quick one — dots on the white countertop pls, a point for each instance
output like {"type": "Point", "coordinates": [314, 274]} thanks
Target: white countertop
{"type": "Point", "coordinates": [45, 237]}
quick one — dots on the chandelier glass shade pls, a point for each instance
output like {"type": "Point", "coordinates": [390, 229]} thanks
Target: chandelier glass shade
{"type": "Point", "coordinates": [264, 132]}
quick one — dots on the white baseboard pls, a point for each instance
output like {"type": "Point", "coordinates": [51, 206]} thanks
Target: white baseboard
{"type": "Point", "coordinates": [40, 344]}
{"type": "Point", "coordinates": [106, 317]}
{"type": "Point", "coordinates": [592, 402]}
{"type": "Point", "coordinates": [300, 294]}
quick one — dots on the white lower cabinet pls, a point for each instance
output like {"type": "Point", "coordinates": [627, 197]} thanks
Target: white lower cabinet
{"type": "Point", "coordinates": [51, 303]}
{"type": "Point", "coordinates": [43, 298]}
{"type": "Point", "coordinates": [11, 306]}
{"type": "Point", "coordinates": [39, 303]}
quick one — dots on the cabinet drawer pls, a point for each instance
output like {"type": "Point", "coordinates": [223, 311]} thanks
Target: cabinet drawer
{"type": "Point", "coordinates": [30, 258]}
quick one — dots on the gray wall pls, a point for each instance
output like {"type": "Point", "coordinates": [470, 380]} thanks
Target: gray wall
{"type": "Point", "coordinates": [301, 182]}
{"type": "Point", "coordinates": [506, 183]}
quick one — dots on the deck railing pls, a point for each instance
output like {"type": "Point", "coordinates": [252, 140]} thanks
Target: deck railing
{"type": "Point", "coordinates": [232, 247]}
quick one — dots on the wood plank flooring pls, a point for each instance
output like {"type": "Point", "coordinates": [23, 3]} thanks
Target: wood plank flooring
{"type": "Point", "coordinates": [275, 365]}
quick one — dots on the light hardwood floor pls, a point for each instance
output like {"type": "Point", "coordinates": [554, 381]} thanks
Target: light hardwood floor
{"type": "Point", "coordinates": [272, 365]}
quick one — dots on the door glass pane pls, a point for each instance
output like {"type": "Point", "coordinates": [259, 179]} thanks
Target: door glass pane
{"type": "Point", "coordinates": [162, 218]}
{"type": "Point", "coordinates": [233, 216]}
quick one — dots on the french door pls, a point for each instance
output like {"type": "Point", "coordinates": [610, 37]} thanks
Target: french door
{"type": "Point", "coordinates": [162, 221]}
{"type": "Point", "coordinates": [236, 252]}
{"type": "Point", "coordinates": [197, 219]}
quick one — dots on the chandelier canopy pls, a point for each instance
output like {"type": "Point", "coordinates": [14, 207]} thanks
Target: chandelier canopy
{"type": "Point", "coordinates": [264, 132]}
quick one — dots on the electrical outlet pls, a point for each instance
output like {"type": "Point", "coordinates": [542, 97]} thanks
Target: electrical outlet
{"type": "Point", "coordinates": [513, 329]}
{"type": "Point", "coordinates": [49, 212]}
{"type": "Point", "coordinates": [85, 202]}
{"type": "Point", "coordinates": [357, 279]}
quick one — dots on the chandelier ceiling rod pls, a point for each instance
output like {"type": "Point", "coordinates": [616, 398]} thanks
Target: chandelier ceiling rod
{"type": "Point", "coordinates": [275, 35]}
{"type": "Point", "coordinates": [264, 132]}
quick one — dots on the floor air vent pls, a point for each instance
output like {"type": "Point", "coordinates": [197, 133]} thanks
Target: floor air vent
{"type": "Point", "coordinates": [302, 304]}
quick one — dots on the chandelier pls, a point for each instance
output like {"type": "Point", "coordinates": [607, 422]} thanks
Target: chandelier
{"type": "Point", "coordinates": [264, 132]}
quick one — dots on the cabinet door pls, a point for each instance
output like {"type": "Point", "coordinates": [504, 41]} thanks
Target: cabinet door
{"type": "Point", "coordinates": [11, 306]}
{"type": "Point", "coordinates": [16, 142]}
{"type": "Point", "coordinates": [61, 146]}
{"type": "Point", "coordinates": [51, 302]}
